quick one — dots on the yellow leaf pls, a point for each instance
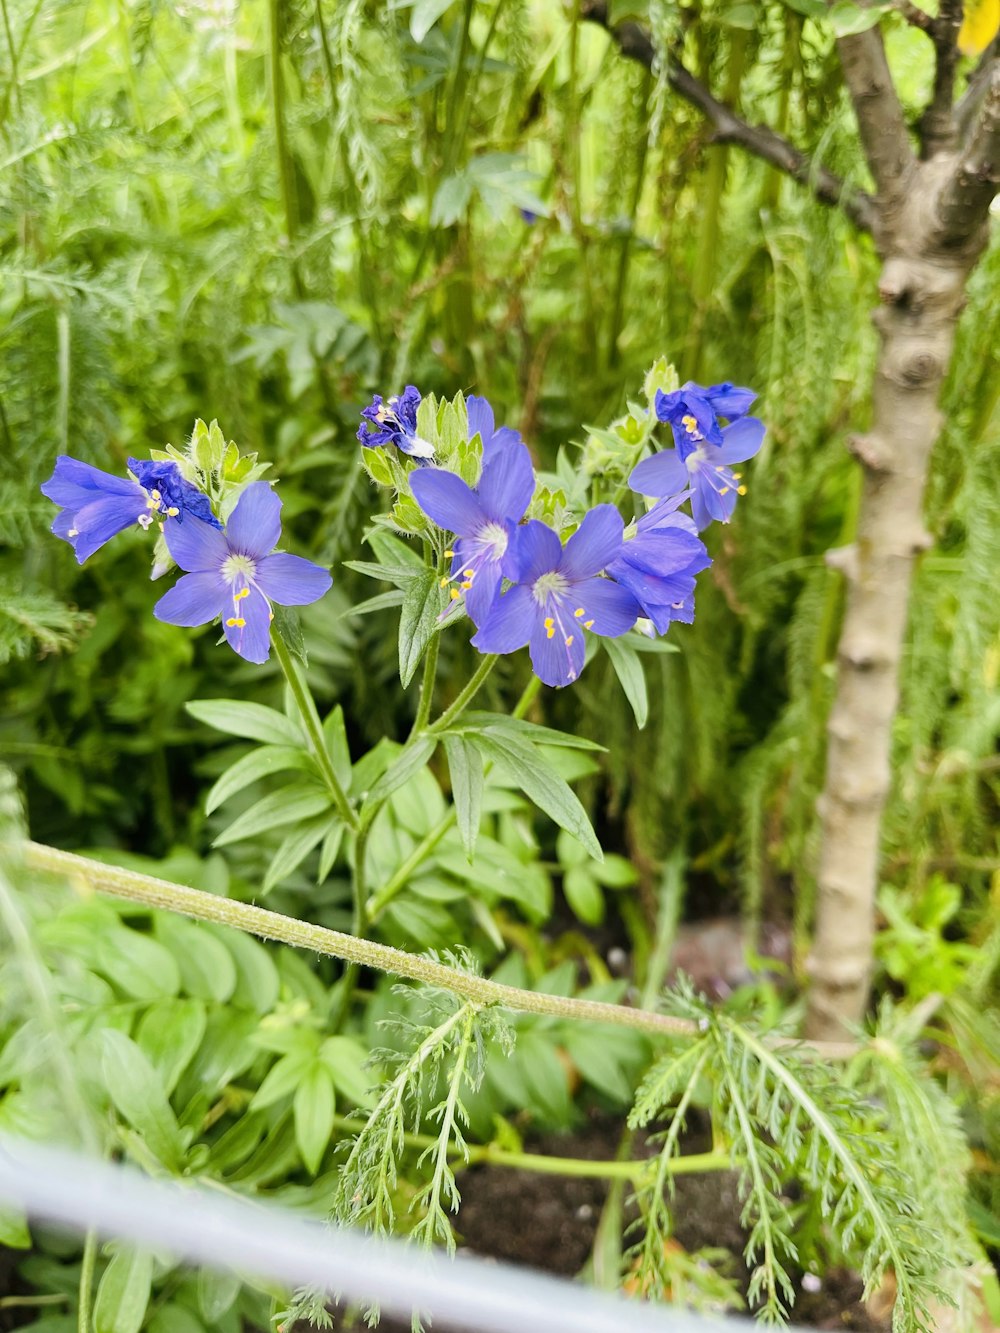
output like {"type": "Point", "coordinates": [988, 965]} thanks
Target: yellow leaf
{"type": "Point", "coordinates": [979, 26]}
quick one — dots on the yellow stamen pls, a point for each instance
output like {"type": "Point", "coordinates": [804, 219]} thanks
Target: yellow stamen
{"type": "Point", "coordinates": [588, 624]}
{"type": "Point", "coordinates": [155, 495]}
{"type": "Point", "coordinates": [243, 592]}
{"type": "Point", "coordinates": [443, 583]}
{"type": "Point", "coordinates": [466, 586]}
{"type": "Point", "coordinates": [569, 641]}
{"type": "Point", "coordinates": [725, 490]}
{"type": "Point", "coordinates": [173, 511]}
{"type": "Point", "coordinates": [741, 490]}
{"type": "Point", "coordinates": [738, 476]}
{"type": "Point", "coordinates": [579, 612]}
{"type": "Point", "coordinates": [448, 554]}
{"type": "Point", "coordinates": [236, 620]}
{"type": "Point", "coordinates": [73, 532]}
{"type": "Point", "coordinates": [550, 627]}
{"type": "Point", "coordinates": [690, 424]}
{"type": "Point", "coordinates": [454, 594]}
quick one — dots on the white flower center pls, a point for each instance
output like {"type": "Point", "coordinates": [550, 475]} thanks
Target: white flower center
{"type": "Point", "coordinates": [492, 538]}
{"type": "Point", "coordinates": [235, 566]}
{"type": "Point", "coordinates": [552, 584]}
{"type": "Point", "coordinates": [694, 459]}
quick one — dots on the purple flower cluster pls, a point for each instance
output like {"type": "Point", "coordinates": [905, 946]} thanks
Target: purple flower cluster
{"type": "Point", "coordinates": [521, 586]}
{"type": "Point", "coordinates": [232, 572]}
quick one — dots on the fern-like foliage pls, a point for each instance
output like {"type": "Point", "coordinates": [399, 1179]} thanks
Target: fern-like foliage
{"type": "Point", "coordinates": [32, 620]}
{"type": "Point", "coordinates": [855, 1148]}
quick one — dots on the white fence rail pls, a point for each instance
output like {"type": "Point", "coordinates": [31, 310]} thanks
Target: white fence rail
{"type": "Point", "coordinates": [210, 1230]}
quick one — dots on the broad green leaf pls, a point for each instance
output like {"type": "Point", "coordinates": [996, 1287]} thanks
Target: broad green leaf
{"type": "Point", "coordinates": [141, 966]}
{"type": "Point", "coordinates": [288, 623]}
{"type": "Point", "coordinates": [417, 622]}
{"type": "Point", "coordinates": [451, 199]}
{"type": "Point", "coordinates": [584, 895]}
{"type": "Point", "coordinates": [138, 1094]}
{"type": "Point", "coordinates": [544, 1074]}
{"type": "Point", "coordinates": [465, 764]}
{"type": "Point", "coordinates": [346, 1059]}
{"type": "Point", "coordinates": [810, 9]}
{"type": "Point", "coordinates": [254, 766]}
{"type": "Point", "coordinates": [409, 761]}
{"type": "Point", "coordinates": [539, 781]}
{"type": "Point", "coordinates": [616, 872]}
{"type": "Point", "coordinates": [314, 1108]}
{"type": "Point", "coordinates": [176, 1318]}
{"type": "Point", "coordinates": [295, 848]}
{"type": "Point", "coordinates": [217, 1293]}
{"type": "Point", "coordinates": [424, 15]}
{"type": "Point", "coordinates": [206, 965]}
{"type": "Point", "coordinates": [283, 1078]}
{"type": "Point", "coordinates": [257, 986]}
{"type": "Point", "coordinates": [595, 1055]}
{"type": "Point", "coordinates": [123, 1293]}
{"type": "Point", "coordinates": [169, 1034]}
{"type": "Point", "coordinates": [475, 720]}
{"type": "Point", "coordinates": [328, 852]}
{"type": "Point", "coordinates": [848, 18]}
{"type": "Point", "coordinates": [252, 721]}
{"type": "Point", "coordinates": [299, 800]}
{"type": "Point", "coordinates": [14, 1231]}
{"type": "Point", "coordinates": [632, 678]}
{"type": "Point", "coordinates": [336, 744]}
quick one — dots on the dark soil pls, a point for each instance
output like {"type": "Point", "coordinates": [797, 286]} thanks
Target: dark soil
{"type": "Point", "coordinates": [549, 1223]}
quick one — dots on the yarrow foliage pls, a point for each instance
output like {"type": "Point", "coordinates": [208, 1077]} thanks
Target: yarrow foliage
{"type": "Point", "coordinates": [232, 571]}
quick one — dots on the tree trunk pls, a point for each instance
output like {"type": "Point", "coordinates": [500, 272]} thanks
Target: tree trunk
{"type": "Point", "coordinates": [922, 291]}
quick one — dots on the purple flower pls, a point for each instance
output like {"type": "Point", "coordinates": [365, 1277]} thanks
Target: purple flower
{"type": "Point", "coordinates": [233, 574]}
{"type": "Point", "coordinates": [658, 565]}
{"type": "Point", "coordinates": [95, 506]}
{"type": "Point", "coordinates": [693, 408]}
{"type": "Point", "coordinates": [483, 423]}
{"type": "Point", "coordinates": [558, 595]}
{"type": "Point", "coordinates": [395, 422]}
{"type": "Point", "coordinates": [484, 519]}
{"type": "Point", "coordinates": [704, 467]}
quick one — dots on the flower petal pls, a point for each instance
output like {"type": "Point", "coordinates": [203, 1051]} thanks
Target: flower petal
{"type": "Point", "coordinates": [534, 550]}
{"type": "Point", "coordinates": [74, 484]}
{"type": "Point", "coordinates": [99, 521]}
{"type": "Point", "coordinates": [195, 546]}
{"type": "Point", "coordinates": [612, 609]}
{"type": "Point", "coordinates": [729, 401]}
{"type": "Point", "coordinates": [557, 660]}
{"type": "Point", "coordinates": [507, 626]}
{"type": "Point", "coordinates": [665, 551]}
{"type": "Point", "coordinates": [248, 628]}
{"type": "Point", "coordinates": [255, 524]}
{"type": "Point", "coordinates": [291, 581]}
{"type": "Point", "coordinates": [699, 509]}
{"type": "Point", "coordinates": [663, 474]}
{"type": "Point", "coordinates": [740, 441]}
{"type": "Point", "coordinates": [595, 543]}
{"type": "Point", "coordinates": [507, 483]}
{"type": "Point", "coordinates": [447, 501]}
{"type": "Point", "coordinates": [195, 599]}
{"type": "Point", "coordinates": [718, 505]}
{"type": "Point", "coordinates": [479, 598]}
{"type": "Point", "coordinates": [481, 419]}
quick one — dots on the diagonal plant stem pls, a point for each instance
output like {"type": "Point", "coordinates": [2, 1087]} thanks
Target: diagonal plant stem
{"type": "Point", "coordinates": [466, 696]}
{"type": "Point", "coordinates": [160, 893]}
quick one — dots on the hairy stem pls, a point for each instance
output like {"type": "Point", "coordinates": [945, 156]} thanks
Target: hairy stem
{"type": "Point", "coordinates": [159, 893]}
{"type": "Point", "coordinates": [83, 1320]}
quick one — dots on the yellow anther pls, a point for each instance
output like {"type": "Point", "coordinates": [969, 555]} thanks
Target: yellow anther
{"type": "Point", "coordinates": [725, 490]}
{"type": "Point", "coordinates": [243, 592]}
{"type": "Point", "coordinates": [443, 583]}
{"type": "Point", "coordinates": [741, 490]}
{"type": "Point", "coordinates": [550, 632]}
{"type": "Point", "coordinates": [448, 554]}
{"type": "Point", "coordinates": [470, 574]}
{"type": "Point", "coordinates": [155, 495]}
{"type": "Point", "coordinates": [569, 641]}
{"type": "Point", "coordinates": [579, 612]}
{"type": "Point", "coordinates": [738, 476]}
{"type": "Point", "coordinates": [466, 585]}
{"type": "Point", "coordinates": [73, 532]}
{"type": "Point", "coordinates": [690, 424]}
{"type": "Point", "coordinates": [454, 594]}
{"type": "Point", "coordinates": [588, 624]}
{"type": "Point", "coordinates": [548, 622]}
{"type": "Point", "coordinates": [270, 615]}
{"type": "Point", "coordinates": [152, 504]}
{"type": "Point", "coordinates": [236, 620]}
{"type": "Point", "coordinates": [173, 511]}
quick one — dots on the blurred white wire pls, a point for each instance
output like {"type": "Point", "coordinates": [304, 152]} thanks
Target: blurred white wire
{"type": "Point", "coordinates": [55, 1185]}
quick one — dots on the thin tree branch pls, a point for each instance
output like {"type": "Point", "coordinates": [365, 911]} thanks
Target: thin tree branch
{"type": "Point", "coordinates": [914, 15]}
{"type": "Point", "coordinates": [937, 125]}
{"type": "Point", "coordinates": [635, 43]}
{"type": "Point", "coordinates": [880, 119]}
{"type": "Point", "coordinates": [978, 82]}
{"type": "Point", "coordinates": [965, 198]}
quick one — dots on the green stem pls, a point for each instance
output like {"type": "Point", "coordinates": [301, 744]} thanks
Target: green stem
{"type": "Point", "coordinates": [286, 178]}
{"type": "Point", "coordinates": [400, 877]}
{"type": "Point", "coordinates": [313, 728]}
{"type": "Point", "coordinates": [467, 694]}
{"type": "Point", "coordinates": [427, 685]}
{"type": "Point", "coordinates": [151, 892]}
{"type": "Point", "coordinates": [83, 1321]}
{"type": "Point", "coordinates": [528, 697]}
